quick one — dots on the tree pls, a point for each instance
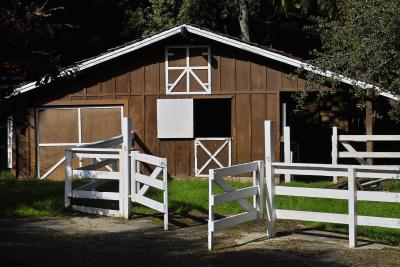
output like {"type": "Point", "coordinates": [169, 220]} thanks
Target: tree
{"type": "Point", "coordinates": [27, 37]}
{"type": "Point", "coordinates": [362, 42]}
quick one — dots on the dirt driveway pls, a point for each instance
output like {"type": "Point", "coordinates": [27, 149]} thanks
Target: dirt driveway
{"type": "Point", "coordinates": [97, 241]}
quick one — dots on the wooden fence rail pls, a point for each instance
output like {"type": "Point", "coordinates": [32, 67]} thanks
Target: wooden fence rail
{"type": "Point", "coordinates": [351, 195]}
{"type": "Point", "coordinates": [141, 183]}
{"type": "Point", "coordinates": [345, 141]}
{"type": "Point", "coordinates": [252, 211]}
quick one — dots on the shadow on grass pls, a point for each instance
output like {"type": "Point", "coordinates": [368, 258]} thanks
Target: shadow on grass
{"type": "Point", "coordinates": [31, 198]}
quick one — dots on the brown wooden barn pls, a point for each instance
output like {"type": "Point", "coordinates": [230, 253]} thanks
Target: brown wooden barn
{"type": "Point", "coordinates": [220, 91]}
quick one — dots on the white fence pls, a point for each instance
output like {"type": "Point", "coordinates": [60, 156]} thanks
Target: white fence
{"type": "Point", "coordinates": [141, 183]}
{"type": "Point", "coordinates": [351, 195]}
{"type": "Point", "coordinates": [360, 156]}
{"type": "Point", "coordinates": [252, 210]}
{"type": "Point", "coordinates": [108, 163]}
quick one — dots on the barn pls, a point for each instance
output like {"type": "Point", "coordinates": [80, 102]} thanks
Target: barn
{"type": "Point", "coordinates": [196, 97]}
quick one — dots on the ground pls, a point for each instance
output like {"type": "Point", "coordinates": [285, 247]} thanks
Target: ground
{"type": "Point", "coordinates": [82, 240]}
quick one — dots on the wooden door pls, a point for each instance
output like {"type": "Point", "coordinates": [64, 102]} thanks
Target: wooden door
{"type": "Point", "coordinates": [61, 127]}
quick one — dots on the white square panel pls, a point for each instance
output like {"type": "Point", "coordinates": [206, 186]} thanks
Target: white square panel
{"type": "Point", "coordinates": [175, 118]}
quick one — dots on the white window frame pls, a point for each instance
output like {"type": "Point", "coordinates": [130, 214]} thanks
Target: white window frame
{"type": "Point", "coordinates": [188, 71]}
{"type": "Point", "coordinates": [39, 145]}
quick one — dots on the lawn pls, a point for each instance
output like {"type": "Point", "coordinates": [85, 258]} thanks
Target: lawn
{"type": "Point", "coordinates": [35, 198]}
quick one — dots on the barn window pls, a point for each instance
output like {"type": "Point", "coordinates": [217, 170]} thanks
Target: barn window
{"type": "Point", "coordinates": [188, 70]}
{"type": "Point", "coordinates": [212, 118]}
{"type": "Point", "coordinates": [192, 118]}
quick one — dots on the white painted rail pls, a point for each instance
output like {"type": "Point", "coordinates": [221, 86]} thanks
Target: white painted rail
{"type": "Point", "coordinates": [141, 183]}
{"type": "Point", "coordinates": [345, 141]}
{"type": "Point", "coordinates": [252, 210]}
{"type": "Point", "coordinates": [200, 170]}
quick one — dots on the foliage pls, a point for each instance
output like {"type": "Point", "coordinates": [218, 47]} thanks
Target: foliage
{"type": "Point", "coordinates": [361, 42]}
{"type": "Point", "coordinates": [27, 37]}
{"type": "Point", "coordinates": [6, 175]}
{"type": "Point", "coordinates": [144, 17]}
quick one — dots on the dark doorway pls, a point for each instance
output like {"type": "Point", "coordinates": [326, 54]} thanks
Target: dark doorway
{"type": "Point", "coordinates": [311, 128]}
{"type": "Point", "coordinates": [212, 117]}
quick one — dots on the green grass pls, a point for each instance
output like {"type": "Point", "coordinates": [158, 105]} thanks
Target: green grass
{"type": "Point", "coordinates": [35, 198]}
{"type": "Point", "coordinates": [31, 198]}
{"type": "Point", "coordinates": [191, 197]}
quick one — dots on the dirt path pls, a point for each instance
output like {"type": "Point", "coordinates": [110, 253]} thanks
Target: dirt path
{"type": "Point", "coordinates": [98, 241]}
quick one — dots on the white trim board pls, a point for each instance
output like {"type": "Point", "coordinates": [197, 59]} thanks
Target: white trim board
{"type": "Point", "coordinates": [212, 36]}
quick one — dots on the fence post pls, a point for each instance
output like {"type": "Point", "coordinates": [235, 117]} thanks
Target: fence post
{"type": "Point", "coordinates": [255, 198]}
{"type": "Point", "coordinates": [270, 179]}
{"type": "Point", "coordinates": [93, 180]}
{"type": "Point", "coordinates": [125, 170]}
{"type": "Point", "coordinates": [352, 178]}
{"type": "Point", "coordinates": [165, 193]}
{"type": "Point", "coordinates": [260, 185]}
{"type": "Point", "coordinates": [210, 207]}
{"type": "Point", "coordinates": [133, 176]}
{"type": "Point", "coordinates": [334, 153]}
{"type": "Point", "coordinates": [286, 148]}
{"type": "Point", "coordinates": [68, 178]}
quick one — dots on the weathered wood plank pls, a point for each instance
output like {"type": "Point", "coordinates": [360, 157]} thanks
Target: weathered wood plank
{"type": "Point", "coordinates": [243, 130]}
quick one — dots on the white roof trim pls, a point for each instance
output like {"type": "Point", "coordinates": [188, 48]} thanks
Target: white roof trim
{"type": "Point", "coordinates": [215, 37]}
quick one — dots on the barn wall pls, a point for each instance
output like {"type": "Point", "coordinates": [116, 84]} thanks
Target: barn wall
{"type": "Point", "coordinates": [252, 83]}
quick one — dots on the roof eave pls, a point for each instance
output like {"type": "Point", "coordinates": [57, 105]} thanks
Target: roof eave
{"type": "Point", "coordinates": [215, 37]}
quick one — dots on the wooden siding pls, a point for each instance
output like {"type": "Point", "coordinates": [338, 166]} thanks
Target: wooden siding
{"type": "Point", "coordinates": [251, 82]}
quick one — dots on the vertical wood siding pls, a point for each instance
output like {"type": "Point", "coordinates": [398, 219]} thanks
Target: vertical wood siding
{"type": "Point", "coordinates": [251, 82]}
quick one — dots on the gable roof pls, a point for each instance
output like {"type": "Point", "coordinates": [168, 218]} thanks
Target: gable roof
{"type": "Point", "coordinates": [224, 39]}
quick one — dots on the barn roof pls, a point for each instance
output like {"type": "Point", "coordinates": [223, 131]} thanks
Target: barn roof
{"type": "Point", "coordinates": [217, 37]}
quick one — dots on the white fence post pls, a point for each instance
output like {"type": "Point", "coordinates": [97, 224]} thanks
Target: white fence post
{"type": "Point", "coordinates": [93, 180]}
{"type": "Point", "coordinates": [210, 208]}
{"type": "Point", "coordinates": [68, 178]}
{"type": "Point", "coordinates": [260, 184]}
{"type": "Point", "coordinates": [270, 179]}
{"type": "Point", "coordinates": [165, 194]}
{"type": "Point", "coordinates": [125, 170]}
{"type": "Point", "coordinates": [121, 184]}
{"type": "Point", "coordinates": [287, 152]}
{"type": "Point", "coordinates": [352, 203]}
{"type": "Point", "coordinates": [133, 175]}
{"type": "Point", "coordinates": [334, 153]}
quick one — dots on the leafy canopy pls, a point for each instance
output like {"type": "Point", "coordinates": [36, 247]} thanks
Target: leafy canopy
{"type": "Point", "coordinates": [362, 42]}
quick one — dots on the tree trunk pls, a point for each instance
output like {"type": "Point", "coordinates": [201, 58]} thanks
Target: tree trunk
{"type": "Point", "coordinates": [244, 19]}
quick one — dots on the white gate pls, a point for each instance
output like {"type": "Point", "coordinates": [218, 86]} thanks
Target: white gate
{"type": "Point", "coordinates": [253, 211]}
{"type": "Point", "coordinates": [102, 168]}
{"type": "Point", "coordinates": [109, 163]}
{"type": "Point", "coordinates": [200, 168]}
{"type": "Point", "coordinates": [141, 183]}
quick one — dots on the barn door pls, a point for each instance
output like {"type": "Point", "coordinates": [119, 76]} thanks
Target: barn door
{"type": "Point", "coordinates": [61, 127]}
{"type": "Point", "coordinates": [211, 153]}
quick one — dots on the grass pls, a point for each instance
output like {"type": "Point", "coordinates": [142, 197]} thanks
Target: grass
{"type": "Point", "coordinates": [35, 198]}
